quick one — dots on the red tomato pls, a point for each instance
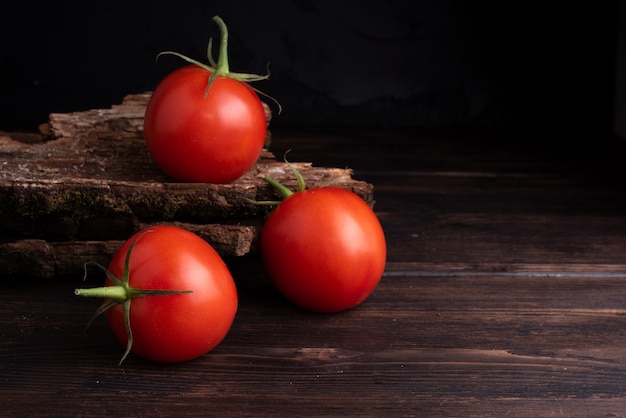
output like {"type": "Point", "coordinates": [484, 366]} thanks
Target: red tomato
{"type": "Point", "coordinates": [324, 249]}
{"type": "Point", "coordinates": [177, 327]}
{"type": "Point", "coordinates": [213, 139]}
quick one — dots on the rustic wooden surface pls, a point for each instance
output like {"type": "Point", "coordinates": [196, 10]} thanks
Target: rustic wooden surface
{"type": "Point", "coordinates": [89, 180]}
{"type": "Point", "coordinates": [504, 295]}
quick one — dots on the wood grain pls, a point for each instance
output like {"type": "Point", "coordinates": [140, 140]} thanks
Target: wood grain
{"type": "Point", "coordinates": [89, 178]}
{"type": "Point", "coordinates": [504, 295]}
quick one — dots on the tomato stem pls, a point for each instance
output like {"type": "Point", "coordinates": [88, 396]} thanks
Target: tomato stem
{"type": "Point", "coordinates": [118, 293]}
{"type": "Point", "coordinates": [121, 293]}
{"type": "Point", "coordinates": [283, 190]}
{"type": "Point", "coordinates": [222, 67]}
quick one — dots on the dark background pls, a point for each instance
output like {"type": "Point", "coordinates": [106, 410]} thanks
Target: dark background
{"type": "Point", "coordinates": [539, 66]}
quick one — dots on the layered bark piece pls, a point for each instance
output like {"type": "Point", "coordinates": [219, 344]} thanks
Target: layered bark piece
{"type": "Point", "coordinates": [85, 184]}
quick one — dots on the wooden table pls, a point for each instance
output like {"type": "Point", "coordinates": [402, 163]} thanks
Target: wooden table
{"type": "Point", "coordinates": [504, 295]}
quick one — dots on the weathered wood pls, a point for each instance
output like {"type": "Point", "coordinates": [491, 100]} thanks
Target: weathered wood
{"type": "Point", "coordinates": [90, 178]}
{"type": "Point", "coordinates": [125, 119]}
{"type": "Point", "coordinates": [504, 295]}
{"type": "Point", "coordinates": [421, 345]}
{"type": "Point", "coordinates": [49, 259]}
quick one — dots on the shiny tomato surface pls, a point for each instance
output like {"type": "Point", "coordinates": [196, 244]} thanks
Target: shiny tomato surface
{"type": "Point", "coordinates": [324, 249]}
{"type": "Point", "coordinates": [195, 135]}
{"type": "Point", "coordinates": [177, 327]}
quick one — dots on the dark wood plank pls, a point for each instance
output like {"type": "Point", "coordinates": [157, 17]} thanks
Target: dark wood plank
{"type": "Point", "coordinates": [479, 200]}
{"type": "Point", "coordinates": [504, 295]}
{"type": "Point", "coordinates": [421, 345]}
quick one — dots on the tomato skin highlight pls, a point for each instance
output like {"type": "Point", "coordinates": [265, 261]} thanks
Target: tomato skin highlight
{"type": "Point", "coordinates": [324, 249]}
{"type": "Point", "coordinates": [179, 327]}
{"type": "Point", "coordinates": [213, 139]}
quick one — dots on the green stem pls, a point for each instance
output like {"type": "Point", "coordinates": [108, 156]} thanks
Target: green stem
{"type": "Point", "coordinates": [119, 293]}
{"type": "Point", "coordinates": [284, 191]}
{"type": "Point", "coordinates": [222, 59]}
{"type": "Point", "coordinates": [222, 68]}
{"type": "Point", "coordinates": [122, 293]}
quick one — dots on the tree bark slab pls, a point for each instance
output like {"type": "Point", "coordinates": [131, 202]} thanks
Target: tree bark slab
{"type": "Point", "coordinates": [87, 182]}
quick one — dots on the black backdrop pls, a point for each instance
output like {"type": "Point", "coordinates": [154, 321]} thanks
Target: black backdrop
{"type": "Point", "coordinates": [538, 65]}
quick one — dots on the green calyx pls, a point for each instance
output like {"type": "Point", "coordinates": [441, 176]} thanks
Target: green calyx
{"type": "Point", "coordinates": [221, 67]}
{"type": "Point", "coordinates": [284, 191]}
{"type": "Point", "coordinates": [121, 293]}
